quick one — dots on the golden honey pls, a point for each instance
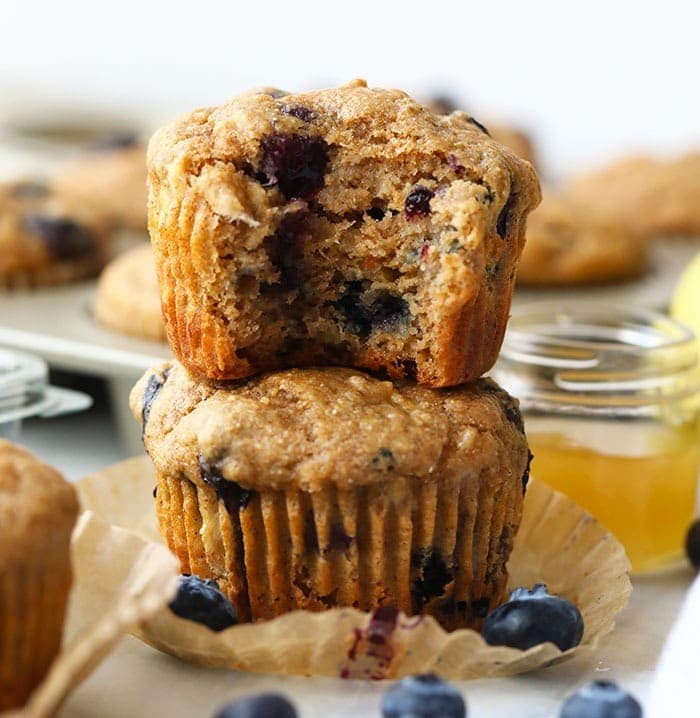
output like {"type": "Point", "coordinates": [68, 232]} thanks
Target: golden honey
{"type": "Point", "coordinates": [611, 398]}
{"type": "Point", "coordinates": [646, 498]}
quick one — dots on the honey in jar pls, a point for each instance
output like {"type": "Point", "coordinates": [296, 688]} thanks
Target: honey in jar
{"type": "Point", "coordinates": [610, 399]}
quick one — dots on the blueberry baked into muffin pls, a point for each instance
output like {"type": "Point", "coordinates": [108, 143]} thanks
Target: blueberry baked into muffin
{"type": "Point", "coordinates": [38, 509]}
{"type": "Point", "coordinates": [653, 196]}
{"type": "Point", "coordinates": [45, 239]}
{"type": "Point", "coordinates": [323, 487]}
{"type": "Point", "coordinates": [110, 181]}
{"type": "Point", "coordinates": [568, 245]}
{"type": "Point", "coordinates": [127, 298]}
{"type": "Point", "coordinates": [349, 226]}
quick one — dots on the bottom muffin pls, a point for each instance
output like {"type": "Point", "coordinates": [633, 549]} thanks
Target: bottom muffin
{"type": "Point", "coordinates": [38, 509]}
{"type": "Point", "coordinates": [316, 488]}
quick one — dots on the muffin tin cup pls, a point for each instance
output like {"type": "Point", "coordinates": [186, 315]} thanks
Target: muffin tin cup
{"type": "Point", "coordinates": [558, 544]}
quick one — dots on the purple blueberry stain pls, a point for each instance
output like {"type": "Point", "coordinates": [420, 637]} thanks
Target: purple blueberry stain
{"type": "Point", "coordinates": [455, 165]}
{"type": "Point", "coordinates": [417, 202]}
{"type": "Point", "coordinates": [294, 163]}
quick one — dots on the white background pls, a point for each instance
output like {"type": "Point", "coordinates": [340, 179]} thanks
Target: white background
{"type": "Point", "coordinates": [589, 79]}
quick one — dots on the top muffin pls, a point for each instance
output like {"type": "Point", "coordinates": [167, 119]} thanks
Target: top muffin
{"type": "Point", "coordinates": [348, 226]}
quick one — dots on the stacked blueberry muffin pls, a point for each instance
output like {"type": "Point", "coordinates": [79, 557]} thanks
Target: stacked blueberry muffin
{"type": "Point", "coordinates": [336, 269]}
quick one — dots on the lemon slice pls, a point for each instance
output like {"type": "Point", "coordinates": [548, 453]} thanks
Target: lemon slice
{"type": "Point", "coordinates": [685, 306]}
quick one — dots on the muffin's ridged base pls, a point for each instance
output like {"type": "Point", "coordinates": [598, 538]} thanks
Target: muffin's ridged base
{"type": "Point", "coordinates": [33, 599]}
{"type": "Point", "coordinates": [424, 546]}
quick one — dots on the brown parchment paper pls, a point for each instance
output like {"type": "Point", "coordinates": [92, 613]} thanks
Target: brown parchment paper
{"type": "Point", "coordinates": [558, 544]}
{"type": "Point", "coordinates": [119, 581]}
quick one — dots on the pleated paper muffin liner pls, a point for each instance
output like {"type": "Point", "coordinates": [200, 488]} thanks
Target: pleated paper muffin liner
{"type": "Point", "coordinates": [558, 544]}
{"type": "Point", "coordinates": [32, 609]}
{"type": "Point", "coordinates": [119, 581]}
{"type": "Point", "coordinates": [438, 547]}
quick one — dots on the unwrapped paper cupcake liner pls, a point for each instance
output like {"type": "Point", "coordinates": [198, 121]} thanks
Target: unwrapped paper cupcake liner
{"type": "Point", "coordinates": [558, 544]}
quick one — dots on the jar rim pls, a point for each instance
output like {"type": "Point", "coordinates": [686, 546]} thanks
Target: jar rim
{"type": "Point", "coordinates": [593, 358]}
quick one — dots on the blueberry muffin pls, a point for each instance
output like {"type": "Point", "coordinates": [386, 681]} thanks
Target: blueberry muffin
{"type": "Point", "coordinates": [110, 181]}
{"type": "Point", "coordinates": [127, 298]}
{"type": "Point", "coordinates": [654, 197]}
{"type": "Point", "coordinates": [512, 137]}
{"type": "Point", "coordinates": [38, 509]}
{"type": "Point", "coordinates": [567, 245]}
{"type": "Point", "coordinates": [315, 488]}
{"type": "Point", "coordinates": [45, 239]}
{"type": "Point", "coordinates": [349, 226]}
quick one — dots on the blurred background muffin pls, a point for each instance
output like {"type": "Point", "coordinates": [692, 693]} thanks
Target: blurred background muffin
{"type": "Point", "coordinates": [570, 245]}
{"type": "Point", "coordinates": [658, 197]}
{"type": "Point", "coordinates": [46, 238]}
{"type": "Point", "coordinates": [127, 300]}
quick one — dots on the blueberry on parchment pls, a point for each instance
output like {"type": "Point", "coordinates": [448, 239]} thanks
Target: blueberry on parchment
{"type": "Point", "coordinates": [263, 705]}
{"type": "Point", "coordinates": [200, 600]}
{"type": "Point", "coordinates": [531, 617]}
{"type": "Point", "coordinates": [423, 696]}
{"type": "Point", "coordinates": [601, 699]}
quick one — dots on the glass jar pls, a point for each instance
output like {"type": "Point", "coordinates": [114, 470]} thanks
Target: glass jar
{"type": "Point", "coordinates": [25, 392]}
{"type": "Point", "coordinates": [610, 400]}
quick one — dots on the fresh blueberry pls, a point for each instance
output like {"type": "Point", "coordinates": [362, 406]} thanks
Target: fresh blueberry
{"type": "Point", "coordinates": [423, 696]}
{"type": "Point", "coordinates": [692, 543]}
{"type": "Point", "coordinates": [200, 600]}
{"type": "Point", "coordinates": [63, 238]}
{"type": "Point", "coordinates": [264, 705]}
{"type": "Point", "coordinates": [417, 202]}
{"type": "Point", "coordinates": [601, 699]}
{"type": "Point", "coordinates": [294, 163]}
{"type": "Point", "coordinates": [531, 617]}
